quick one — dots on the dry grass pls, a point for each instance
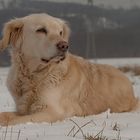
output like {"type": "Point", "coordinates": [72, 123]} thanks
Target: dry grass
{"type": "Point", "coordinates": [134, 69]}
{"type": "Point", "coordinates": [7, 133]}
{"type": "Point", "coordinates": [116, 127]}
{"type": "Point", "coordinates": [98, 138]}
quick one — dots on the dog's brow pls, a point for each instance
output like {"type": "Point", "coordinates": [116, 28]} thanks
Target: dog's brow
{"type": "Point", "coordinates": [42, 30]}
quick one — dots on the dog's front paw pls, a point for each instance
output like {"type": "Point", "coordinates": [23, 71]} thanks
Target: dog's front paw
{"type": "Point", "coordinates": [6, 118]}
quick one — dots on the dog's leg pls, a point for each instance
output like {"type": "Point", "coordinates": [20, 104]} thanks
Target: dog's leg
{"type": "Point", "coordinates": [12, 118]}
{"type": "Point", "coordinates": [6, 117]}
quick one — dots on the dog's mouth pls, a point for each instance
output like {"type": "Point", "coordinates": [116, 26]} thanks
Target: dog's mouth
{"type": "Point", "coordinates": [56, 59]}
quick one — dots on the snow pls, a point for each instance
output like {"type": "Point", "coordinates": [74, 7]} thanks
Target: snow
{"type": "Point", "coordinates": [116, 126]}
{"type": "Point", "coordinates": [119, 61]}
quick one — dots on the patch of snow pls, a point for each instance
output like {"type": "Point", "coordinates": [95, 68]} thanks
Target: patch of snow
{"type": "Point", "coordinates": [118, 61]}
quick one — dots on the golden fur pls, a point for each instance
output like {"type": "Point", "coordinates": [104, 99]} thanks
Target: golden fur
{"type": "Point", "coordinates": [60, 88]}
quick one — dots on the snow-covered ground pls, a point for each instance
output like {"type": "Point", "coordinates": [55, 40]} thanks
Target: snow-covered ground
{"type": "Point", "coordinates": [116, 126]}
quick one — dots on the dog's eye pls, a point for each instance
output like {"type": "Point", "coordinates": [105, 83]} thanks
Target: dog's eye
{"type": "Point", "coordinates": [61, 33]}
{"type": "Point", "coordinates": [41, 30]}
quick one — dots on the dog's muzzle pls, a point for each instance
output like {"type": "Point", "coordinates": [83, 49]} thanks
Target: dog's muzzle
{"type": "Point", "coordinates": [62, 46]}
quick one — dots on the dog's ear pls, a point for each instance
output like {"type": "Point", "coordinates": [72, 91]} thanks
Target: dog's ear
{"type": "Point", "coordinates": [11, 33]}
{"type": "Point", "coordinates": [66, 31]}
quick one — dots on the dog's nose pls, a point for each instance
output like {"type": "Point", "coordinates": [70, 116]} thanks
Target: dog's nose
{"type": "Point", "coordinates": [62, 46]}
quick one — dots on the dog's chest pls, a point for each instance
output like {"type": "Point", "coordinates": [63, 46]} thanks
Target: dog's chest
{"type": "Point", "coordinates": [52, 97]}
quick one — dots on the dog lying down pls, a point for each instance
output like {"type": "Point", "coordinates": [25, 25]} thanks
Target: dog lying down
{"type": "Point", "coordinates": [50, 84]}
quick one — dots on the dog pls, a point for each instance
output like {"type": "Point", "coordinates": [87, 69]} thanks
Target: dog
{"type": "Point", "coordinates": [48, 83]}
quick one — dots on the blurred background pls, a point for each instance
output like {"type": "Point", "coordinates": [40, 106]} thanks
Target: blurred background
{"type": "Point", "coordinates": [100, 28]}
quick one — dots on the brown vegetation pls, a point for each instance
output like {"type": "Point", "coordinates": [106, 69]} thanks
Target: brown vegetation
{"type": "Point", "coordinates": [134, 69]}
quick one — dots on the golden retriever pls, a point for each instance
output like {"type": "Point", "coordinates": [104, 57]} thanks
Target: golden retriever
{"type": "Point", "coordinates": [48, 83]}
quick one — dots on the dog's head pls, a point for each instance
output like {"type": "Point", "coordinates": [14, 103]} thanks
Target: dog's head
{"type": "Point", "coordinates": [39, 35]}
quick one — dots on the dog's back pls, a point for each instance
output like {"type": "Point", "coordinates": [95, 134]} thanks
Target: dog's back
{"type": "Point", "coordinates": [102, 87]}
